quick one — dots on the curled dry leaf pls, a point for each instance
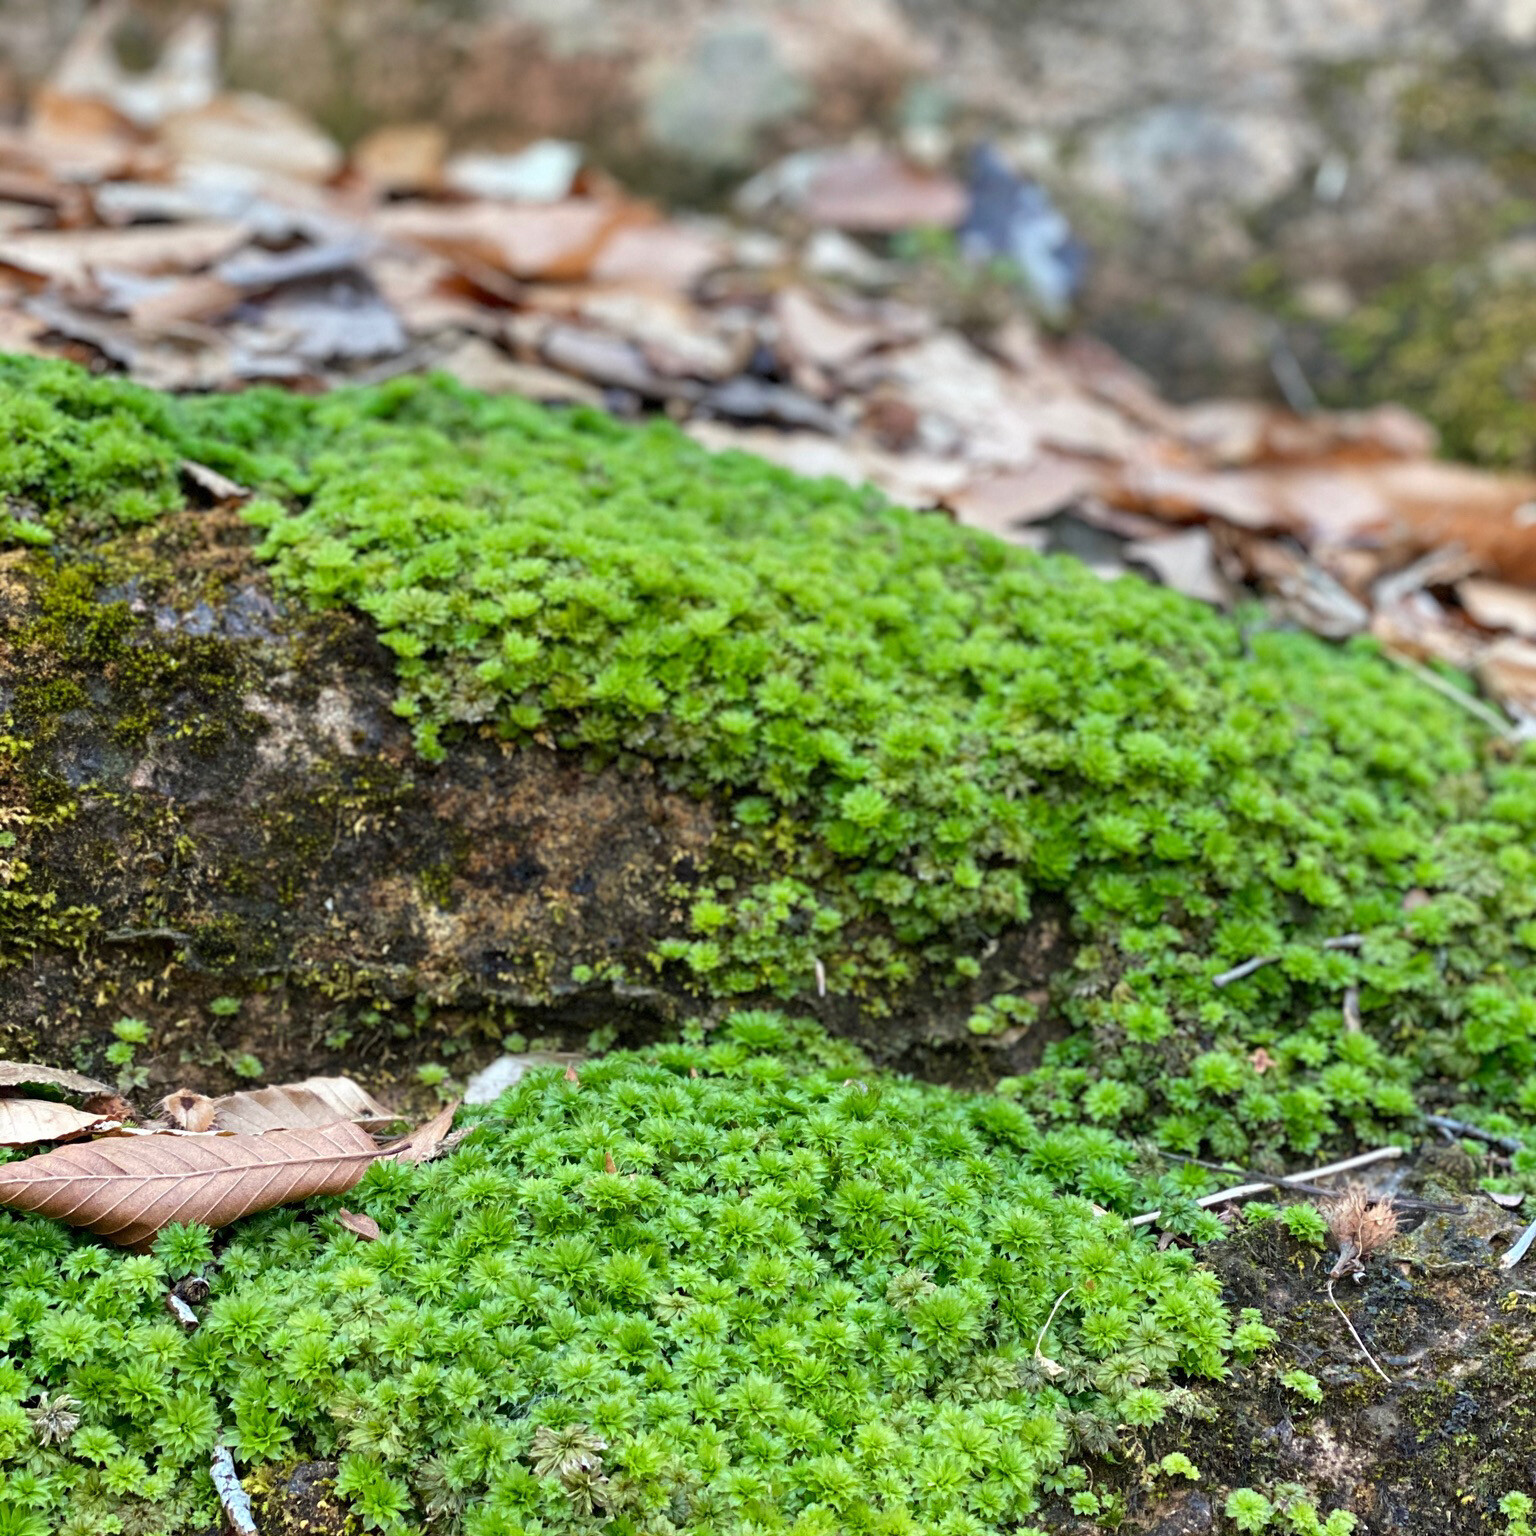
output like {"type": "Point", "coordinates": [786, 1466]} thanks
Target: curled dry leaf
{"type": "Point", "coordinates": [18, 1074]}
{"type": "Point", "coordinates": [364, 1226]}
{"type": "Point", "coordinates": [126, 1190]}
{"type": "Point", "coordinates": [291, 1106]}
{"type": "Point", "coordinates": [25, 1122]}
{"type": "Point", "coordinates": [426, 1141]}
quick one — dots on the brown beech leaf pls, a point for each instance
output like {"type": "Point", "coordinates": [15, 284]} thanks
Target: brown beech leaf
{"type": "Point", "coordinates": [291, 1106]}
{"type": "Point", "coordinates": [24, 1122]}
{"type": "Point", "coordinates": [128, 1189]}
{"type": "Point", "coordinates": [363, 1225]}
{"type": "Point", "coordinates": [15, 1074]}
{"type": "Point", "coordinates": [426, 1141]}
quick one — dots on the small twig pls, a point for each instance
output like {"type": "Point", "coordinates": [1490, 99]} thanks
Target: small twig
{"type": "Point", "coordinates": [1288, 1181]}
{"type": "Point", "coordinates": [1476, 1132]}
{"type": "Point", "coordinates": [1355, 1336]}
{"type": "Point", "coordinates": [1519, 1248]}
{"type": "Point", "coordinates": [1247, 968]}
{"type": "Point", "coordinates": [232, 1495]}
{"type": "Point", "coordinates": [1448, 690]}
{"type": "Point", "coordinates": [1258, 962]}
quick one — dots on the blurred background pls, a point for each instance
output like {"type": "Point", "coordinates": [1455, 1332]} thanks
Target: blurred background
{"type": "Point", "coordinates": [1355, 171]}
{"type": "Point", "coordinates": [1237, 293]}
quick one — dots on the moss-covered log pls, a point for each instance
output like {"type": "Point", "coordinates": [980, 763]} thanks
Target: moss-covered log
{"type": "Point", "coordinates": [482, 715]}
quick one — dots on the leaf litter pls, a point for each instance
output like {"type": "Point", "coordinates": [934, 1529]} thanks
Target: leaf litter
{"type": "Point", "coordinates": [206, 1160]}
{"type": "Point", "coordinates": [199, 238]}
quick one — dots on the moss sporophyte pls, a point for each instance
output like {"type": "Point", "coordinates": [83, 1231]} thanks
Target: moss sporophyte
{"type": "Point", "coordinates": [811, 1297]}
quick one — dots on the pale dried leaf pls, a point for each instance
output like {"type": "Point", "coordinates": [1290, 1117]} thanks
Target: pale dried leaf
{"type": "Point", "coordinates": [480, 364]}
{"type": "Point", "coordinates": [359, 1223]}
{"type": "Point", "coordinates": [558, 242]}
{"type": "Point", "coordinates": [292, 1106]}
{"type": "Point", "coordinates": [18, 1074]}
{"type": "Point", "coordinates": [670, 256]}
{"type": "Point", "coordinates": [72, 256]}
{"type": "Point", "coordinates": [218, 486]}
{"type": "Point", "coordinates": [26, 1122]}
{"type": "Point", "coordinates": [1507, 1201]}
{"type": "Point", "coordinates": [1497, 605]}
{"type": "Point", "coordinates": [256, 133]}
{"type": "Point", "coordinates": [127, 1189]}
{"type": "Point", "coordinates": [1507, 669]}
{"type": "Point", "coordinates": [1002, 502]}
{"type": "Point", "coordinates": [426, 1141]}
{"type": "Point", "coordinates": [875, 192]}
{"type": "Point", "coordinates": [1186, 562]}
{"type": "Point", "coordinates": [809, 332]}
{"type": "Point", "coordinates": [402, 157]}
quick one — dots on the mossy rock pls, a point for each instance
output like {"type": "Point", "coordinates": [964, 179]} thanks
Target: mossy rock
{"type": "Point", "coordinates": [480, 716]}
{"type": "Point", "coordinates": [512, 711]}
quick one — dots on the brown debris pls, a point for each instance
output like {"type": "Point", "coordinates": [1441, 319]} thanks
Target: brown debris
{"type": "Point", "coordinates": [203, 239]}
{"type": "Point", "coordinates": [1360, 1224]}
{"type": "Point", "coordinates": [359, 1224]}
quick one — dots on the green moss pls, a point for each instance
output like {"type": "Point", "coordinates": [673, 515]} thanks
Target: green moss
{"type": "Point", "coordinates": [1456, 342]}
{"type": "Point", "coordinates": [748, 1286]}
{"type": "Point", "coordinates": [919, 738]}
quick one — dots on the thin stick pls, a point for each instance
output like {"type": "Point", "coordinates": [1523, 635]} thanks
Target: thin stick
{"type": "Point", "coordinates": [1448, 690]}
{"type": "Point", "coordinates": [1476, 1132]}
{"type": "Point", "coordinates": [1247, 968]}
{"type": "Point", "coordinates": [1248, 1191]}
{"type": "Point", "coordinates": [1355, 1336]}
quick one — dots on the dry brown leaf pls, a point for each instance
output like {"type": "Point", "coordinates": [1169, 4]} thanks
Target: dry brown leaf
{"type": "Point", "coordinates": [19, 1074]}
{"type": "Point", "coordinates": [1001, 502]}
{"type": "Point", "coordinates": [1186, 562]}
{"type": "Point", "coordinates": [426, 1141]}
{"type": "Point", "coordinates": [127, 1189]}
{"type": "Point", "coordinates": [1496, 605]}
{"type": "Point", "coordinates": [670, 256]}
{"type": "Point", "coordinates": [256, 133]}
{"type": "Point", "coordinates": [187, 1110]}
{"type": "Point", "coordinates": [360, 1224]}
{"type": "Point", "coordinates": [809, 332]}
{"type": "Point", "coordinates": [480, 364]}
{"type": "Point", "coordinates": [558, 242]}
{"type": "Point", "coordinates": [609, 1166]}
{"type": "Point", "coordinates": [71, 256]}
{"type": "Point", "coordinates": [1507, 669]}
{"type": "Point", "coordinates": [876, 192]}
{"type": "Point", "coordinates": [402, 157]}
{"type": "Point", "coordinates": [292, 1106]}
{"type": "Point", "coordinates": [25, 1122]}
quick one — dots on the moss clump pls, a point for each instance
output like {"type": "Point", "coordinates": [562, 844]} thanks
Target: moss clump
{"type": "Point", "coordinates": [919, 734]}
{"type": "Point", "coordinates": [1456, 342]}
{"type": "Point", "coordinates": [739, 1287]}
